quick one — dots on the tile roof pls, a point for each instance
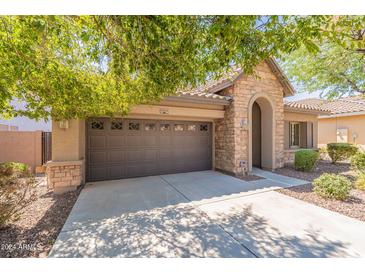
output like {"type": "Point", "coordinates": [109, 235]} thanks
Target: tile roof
{"type": "Point", "coordinates": [202, 94]}
{"type": "Point", "coordinates": [212, 86]}
{"type": "Point", "coordinates": [303, 106]}
{"type": "Point", "coordinates": [345, 105]}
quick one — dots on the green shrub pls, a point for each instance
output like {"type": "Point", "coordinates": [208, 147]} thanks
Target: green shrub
{"type": "Point", "coordinates": [17, 190]}
{"type": "Point", "coordinates": [360, 182]}
{"type": "Point", "coordinates": [358, 162]}
{"type": "Point", "coordinates": [305, 160]}
{"type": "Point", "coordinates": [340, 151]}
{"type": "Point", "coordinates": [332, 186]}
{"type": "Point", "coordinates": [9, 168]}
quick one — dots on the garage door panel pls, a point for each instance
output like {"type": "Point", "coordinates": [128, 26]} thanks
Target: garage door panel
{"type": "Point", "coordinates": [97, 142]}
{"type": "Point", "coordinates": [116, 156]}
{"type": "Point", "coordinates": [178, 166]}
{"type": "Point", "coordinates": [98, 172]}
{"type": "Point", "coordinates": [133, 140]}
{"type": "Point", "coordinates": [178, 140]}
{"type": "Point", "coordinates": [98, 156]}
{"type": "Point", "coordinates": [165, 166]}
{"type": "Point", "coordinates": [144, 169]}
{"type": "Point", "coordinates": [116, 171]}
{"type": "Point", "coordinates": [149, 168]}
{"type": "Point", "coordinates": [165, 153]}
{"type": "Point", "coordinates": [165, 140]}
{"type": "Point", "coordinates": [203, 140]}
{"type": "Point", "coordinates": [146, 147]}
{"type": "Point", "coordinates": [150, 140]}
{"type": "Point", "coordinates": [134, 155]}
{"type": "Point", "coordinates": [191, 153]}
{"type": "Point", "coordinates": [116, 141]}
{"type": "Point", "coordinates": [151, 155]}
{"type": "Point", "coordinates": [178, 153]}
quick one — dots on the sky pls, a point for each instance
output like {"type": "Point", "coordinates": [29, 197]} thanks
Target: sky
{"type": "Point", "coordinates": [303, 95]}
{"type": "Point", "coordinates": [26, 124]}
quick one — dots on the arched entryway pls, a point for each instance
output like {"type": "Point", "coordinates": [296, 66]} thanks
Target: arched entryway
{"type": "Point", "coordinates": [261, 133]}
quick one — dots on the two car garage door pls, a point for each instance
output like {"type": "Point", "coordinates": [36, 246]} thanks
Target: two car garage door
{"type": "Point", "coordinates": [123, 148]}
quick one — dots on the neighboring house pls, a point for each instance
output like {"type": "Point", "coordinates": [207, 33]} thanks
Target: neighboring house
{"type": "Point", "coordinates": [344, 124]}
{"type": "Point", "coordinates": [25, 124]}
{"type": "Point", "coordinates": [231, 125]}
{"type": "Point", "coordinates": [4, 127]}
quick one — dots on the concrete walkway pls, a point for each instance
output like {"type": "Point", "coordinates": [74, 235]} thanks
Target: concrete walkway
{"type": "Point", "coordinates": [203, 214]}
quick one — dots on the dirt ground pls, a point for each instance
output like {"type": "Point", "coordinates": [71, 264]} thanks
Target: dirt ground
{"type": "Point", "coordinates": [353, 206]}
{"type": "Point", "coordinates": [36, 231]}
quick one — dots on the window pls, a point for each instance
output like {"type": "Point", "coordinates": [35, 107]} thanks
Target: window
{"type": "Point", "coordinates": [149, 126]}
{"type": "Point", "coordinates": [179, 127]}
{"type": "Point", "coordinates": [97, 125]}
{"type": "Point", "coordinates": [192, 128]}
{"type": "Point", "coordinates": [294, 133]}
{"type": "Point", "coordinates": [133, 126]}
{"type": "Point", "coordinates": [164, 127]}
{"type": "Point", "coordinates": [204, 127]}
{"type": "Point", "coordinates": [117, 125]}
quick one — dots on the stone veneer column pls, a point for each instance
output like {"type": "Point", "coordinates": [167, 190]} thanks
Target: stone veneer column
{"type": "Point", "coordinates": [231, 138]}
{"type": "Point", "coordinates": [64, 176]}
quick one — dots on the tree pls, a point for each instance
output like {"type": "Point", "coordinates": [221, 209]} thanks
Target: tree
{"type": "Point", "coordinates": [335, 67]}
{"type": "Point", "coordinates": [78, 66]}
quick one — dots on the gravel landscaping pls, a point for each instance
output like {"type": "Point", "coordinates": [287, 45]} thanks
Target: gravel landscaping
{"type": "Point", "coordinates": [353, 207]}
{"type": "Point", "coordinates": [36, 231]}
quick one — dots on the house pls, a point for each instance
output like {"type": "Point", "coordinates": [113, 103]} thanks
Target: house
{"type": "Point", "coordinates": [231, 125]}
{"type": "Point", "coordinates": [4, 127]}
{"type": "Point", "coordinates": [344, 124]}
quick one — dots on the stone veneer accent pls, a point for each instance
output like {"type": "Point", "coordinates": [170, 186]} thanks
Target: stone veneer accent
{"type": "Point", "coordinates": [289, 156]}
{"type": "Point", "coordinates": [231, 141]}
{"type": "Point", "coordinates": [64, 176]}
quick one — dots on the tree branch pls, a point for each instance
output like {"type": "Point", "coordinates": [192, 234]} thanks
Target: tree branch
{"type": "Point", "coordinates": [352, 84]}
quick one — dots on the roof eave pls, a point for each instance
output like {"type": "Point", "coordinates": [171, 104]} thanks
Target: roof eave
{"type": "Point", "coordinates": [197, 100]}
{"type": "Point", "coordinates": [279, 73]}
{"type": "Point", "coordinates": [306, 111]}
{"type": "Point", "coordinates": [288, 88]}
{"type": "Point", "coordinates": [345, 114]}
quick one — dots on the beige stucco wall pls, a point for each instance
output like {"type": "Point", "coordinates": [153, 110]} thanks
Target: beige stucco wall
{"type": "Point", "coordinates": [233, 132]}
{"type": "Point", "coordinates": [68, 144]}
{"type": "Point", "coordinates": [21, 146]}
{"type": "Point", "coordinates": [327, 129]}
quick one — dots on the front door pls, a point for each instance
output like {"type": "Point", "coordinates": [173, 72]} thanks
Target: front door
{"type": "Point", "coordinates": [256, 135]}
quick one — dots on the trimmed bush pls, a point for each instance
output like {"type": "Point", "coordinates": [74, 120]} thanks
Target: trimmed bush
{"type": "Point", "coordinates": [340, 151]}
{"type": "Point", "coordinates": [305, 160]}
{"type": "Point", "coordinates": [358, 162]}
{"type": "Point", "coordinates": [17, 190]}
{"type": "Point", "coordinates": [332, 186]}
{"type": "Point", "coordinates": [360, 182]}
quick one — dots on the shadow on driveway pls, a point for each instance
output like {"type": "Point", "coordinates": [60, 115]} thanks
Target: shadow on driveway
{"type": "Point", "coordinates": [185, 215]}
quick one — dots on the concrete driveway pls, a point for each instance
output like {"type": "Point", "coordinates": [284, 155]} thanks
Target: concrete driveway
{"type": "Point", "coordinates": [203, 214]}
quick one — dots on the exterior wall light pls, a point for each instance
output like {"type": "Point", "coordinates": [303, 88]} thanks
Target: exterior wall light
{"type": "Point", "coordinates": [63, 124]}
